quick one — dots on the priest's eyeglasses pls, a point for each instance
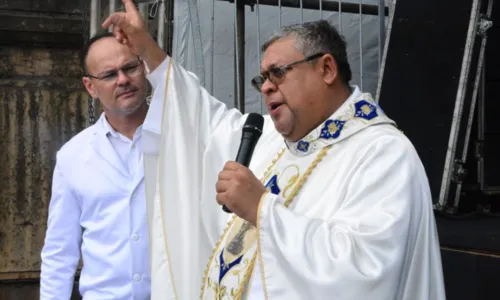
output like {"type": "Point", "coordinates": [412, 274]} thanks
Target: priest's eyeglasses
{"type": "Point", "coordinates": [277, 74]}
{"type": "Point", "coordinates": [130, 69]}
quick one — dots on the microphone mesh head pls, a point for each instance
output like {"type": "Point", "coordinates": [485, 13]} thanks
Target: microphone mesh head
{"type": "Point", "coordinates": [254, 121]}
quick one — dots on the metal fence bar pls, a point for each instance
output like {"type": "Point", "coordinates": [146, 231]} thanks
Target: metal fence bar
{"type": "Point", "coordinates": [240, 54]}
{"type": "Point", "coordinates": [257, 12]}
{"type": "Point", "coordinates": [361, 44]}
{"type": "Point", "coordinates": [381, 32]}
{"type": "Point", "coordinates": [340, 16]}
{"type": "Point", "coordinates": [95, 12]}
{"type": "Point", "coordinates": [279, 8]}
{"type": "Point", "coordinates": [301, 11]}
{"type": "Point", "coordinates": [212, 25]}
{"type": "Point", "coordinates": [321, 9]}
{"type": "Point", "coordinates": [327, 5]}
{"type": "Point", "coordinates": [112, 9]}
{"type": "Point", "coordinates": [322, 5]}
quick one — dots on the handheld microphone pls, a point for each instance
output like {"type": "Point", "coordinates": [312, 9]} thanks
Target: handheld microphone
{"type": "Point", "coordinates": [252, 130]}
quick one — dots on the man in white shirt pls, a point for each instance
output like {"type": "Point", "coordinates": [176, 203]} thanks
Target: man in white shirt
{"type": "Point", "coordinates": [334, 205]}
{"type": "Point", "coordinates": [98, 200]}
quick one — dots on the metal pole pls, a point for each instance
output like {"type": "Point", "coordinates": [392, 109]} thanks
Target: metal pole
{"type": "Point", "coordinates": [340, 16]}
{"type": "Point", "coordinates": [327, 5]}
{"type": "Point", "coordinates": [212, 47]}
{"type": "Point", "coordinates": [279, 19]}
{"type": "Point", "coordinates": [301, 11]}
{"type": "Point", "coordinates": [240, 44]}
{"type": "Point", "coordinates": [95, 13]}
{"type": "Point", "coordinates": [381, 32]}
{"type": "Point", "coordinates": [361, 44]}
{"type": "Point", "coordinates": [112, 9]}
{"type": "Point", "coordinates": [161, 25]}
{"type": "Point", "coordinates": [257, 12]}
{"type": "Point", "coordinates": [95, 18]}
{"type": "Point", "coordinates": [457, 113]}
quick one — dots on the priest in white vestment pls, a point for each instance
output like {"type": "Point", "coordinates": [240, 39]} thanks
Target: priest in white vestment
{"type": "Point", "coordinates": [334, 205]}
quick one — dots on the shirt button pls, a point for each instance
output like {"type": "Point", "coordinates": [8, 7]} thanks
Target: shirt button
{"type": "Point", "coordinates": [135, 237]}
{"type": "Point", "coordinates": [137, 277]}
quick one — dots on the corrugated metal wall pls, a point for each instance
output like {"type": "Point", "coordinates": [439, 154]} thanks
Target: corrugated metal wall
{"type": "Point", "coordinates": [42, 106]}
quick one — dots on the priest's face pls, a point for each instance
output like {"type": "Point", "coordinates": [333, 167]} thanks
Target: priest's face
{"type": "Point", "coordinates": [116, 77]}
{"type": "Point", "coordinates": [293, 97]}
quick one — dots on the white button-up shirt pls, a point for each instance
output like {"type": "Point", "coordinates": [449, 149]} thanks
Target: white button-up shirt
{"type": "Point", "coordinates": [98, 207]}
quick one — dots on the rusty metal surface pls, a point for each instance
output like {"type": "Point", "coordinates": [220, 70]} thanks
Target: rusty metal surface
{"type": "Point", "coordinates": [42, 105]}
{"type": "Point", "coordinates": [26, 290]}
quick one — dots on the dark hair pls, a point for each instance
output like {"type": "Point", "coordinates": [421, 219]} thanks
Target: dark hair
{"type": "Point", "coordinates": [88, 44]}
{"type": "Point", "coordinates": [317, 37]}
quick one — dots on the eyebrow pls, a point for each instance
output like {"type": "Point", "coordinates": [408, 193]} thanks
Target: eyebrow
{"type": "Point", "coordinates": [271, 66]}
{"type": "Point", "coordinates": [113, 70]}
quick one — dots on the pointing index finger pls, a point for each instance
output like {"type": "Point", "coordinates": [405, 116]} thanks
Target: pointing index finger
{"type": "Point", "coordinates": [129, 6]}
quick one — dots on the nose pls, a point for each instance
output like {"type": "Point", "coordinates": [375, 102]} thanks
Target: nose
{"type": "Point", "coordinates": [122, 79]}
{"type": "Point", "coordinates": [268, 87]}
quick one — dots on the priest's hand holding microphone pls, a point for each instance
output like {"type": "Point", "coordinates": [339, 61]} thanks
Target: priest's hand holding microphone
{"type": "Point", "coordinates": [238, 190]}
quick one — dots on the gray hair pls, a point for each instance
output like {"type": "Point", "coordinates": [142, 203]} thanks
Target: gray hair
{"type": "Point", "coordinates": [316, 37]}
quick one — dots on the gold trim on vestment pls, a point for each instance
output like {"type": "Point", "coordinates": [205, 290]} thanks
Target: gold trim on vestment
{"type": "Point", "coordinates": [259, 253]}
{"type": "Point", "coordinates": [288, 200]}
{"type": "Point", "coordinates": [160, 163]}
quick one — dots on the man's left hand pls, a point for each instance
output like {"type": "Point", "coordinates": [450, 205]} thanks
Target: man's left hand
{"type": "Point", "coordinates": [240, 191]}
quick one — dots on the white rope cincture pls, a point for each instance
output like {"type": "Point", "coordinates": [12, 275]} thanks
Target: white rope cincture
{"type": "Point", "coordinates": [153, 11]}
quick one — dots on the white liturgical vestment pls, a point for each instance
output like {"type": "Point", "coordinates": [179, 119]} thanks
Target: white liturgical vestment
{"type": "Point", "coordinates": [347, 213]}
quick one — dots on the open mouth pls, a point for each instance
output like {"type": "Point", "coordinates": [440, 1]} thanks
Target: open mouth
{"type": "Point", "coordinates": [274, 106]}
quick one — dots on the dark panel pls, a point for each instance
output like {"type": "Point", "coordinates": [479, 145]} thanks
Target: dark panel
{"type": "Point", "coordinates": [26, 290]}
{"type": "Point", "coordinates": [61, 6]}
{"type": "Point", "coordinates": [492, 50]}
{"type": "Point", "coordinates": [421, 75]}
{"type": "Point", "coordinates": [43, 105]}
{"type": "Point", "coordinates": [492, 104]}
{"type": "Point", "coordinates": [41, 39]}
{"type": "Point", "coordinates": [470, 276]}
{"type": "Point", "coordinates": [475, 232]}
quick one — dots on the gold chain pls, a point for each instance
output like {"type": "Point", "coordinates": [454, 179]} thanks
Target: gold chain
{"type": "Point", "coordinates": [287, 202]}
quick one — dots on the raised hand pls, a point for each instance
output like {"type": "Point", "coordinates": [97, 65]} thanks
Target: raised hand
{"type": "Point", "coordinates": [129, 29]}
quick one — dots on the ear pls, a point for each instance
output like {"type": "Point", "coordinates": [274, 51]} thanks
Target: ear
{"type": "Point", "coordinates": [329, 69]}
{"type": "Point", "coordinates": [90, 87]}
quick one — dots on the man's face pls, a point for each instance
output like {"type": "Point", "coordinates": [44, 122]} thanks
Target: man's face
{"type": "Point", "coordinates": [292, 103]}
{"type": "Point", "coordinates": [123, 92]}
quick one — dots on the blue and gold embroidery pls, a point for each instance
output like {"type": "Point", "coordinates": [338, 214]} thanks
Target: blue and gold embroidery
{"type": "Point", "coordinates": [303, 146]}
{"type": "Point", "coordinates": [331, 129]}
{"type": "Point", "coordinates": [225, 267]}
{"type": "Point", "coordinates": [272, 185]}
{"type": "Point", "coordinates": [365, 110]}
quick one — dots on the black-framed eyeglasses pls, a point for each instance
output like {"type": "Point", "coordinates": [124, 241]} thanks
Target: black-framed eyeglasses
{"type": "Point", "coordinates": [130, 69]}
{"type": "Point", "coordinates": [277, 74]}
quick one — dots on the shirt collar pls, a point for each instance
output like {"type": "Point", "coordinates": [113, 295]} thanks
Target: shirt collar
{"type": "Point", "coordinates": [108, 130]}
